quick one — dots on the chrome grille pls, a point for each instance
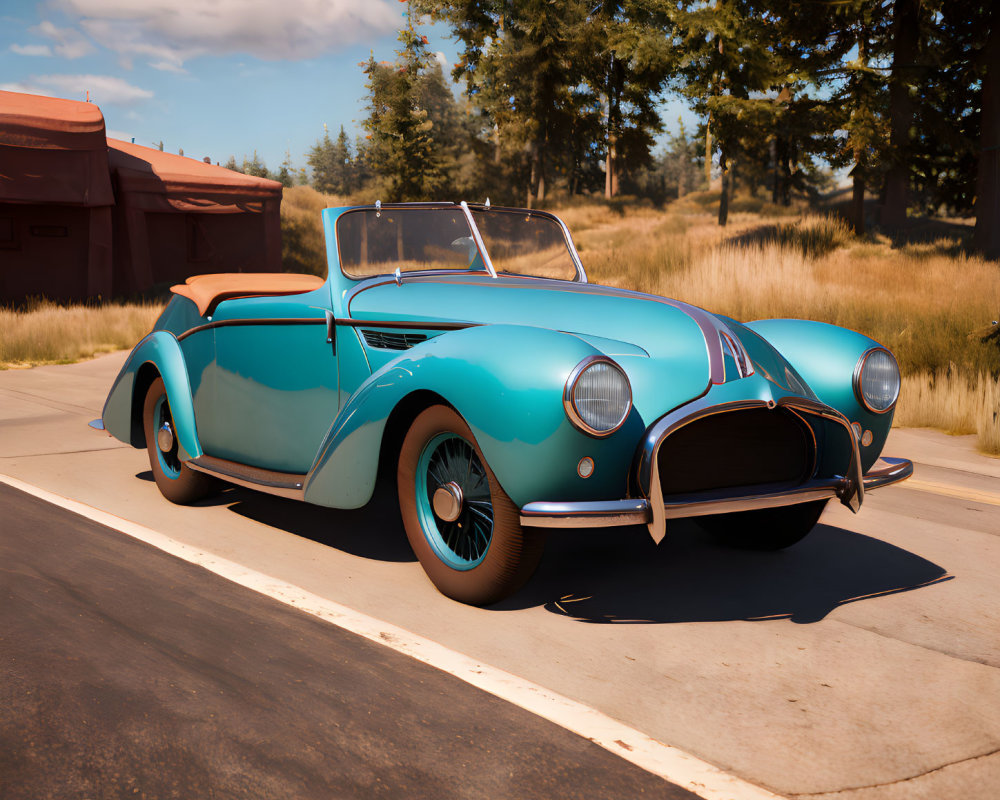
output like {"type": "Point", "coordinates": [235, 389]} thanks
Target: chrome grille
{"type": "Point", "coordinates": [734, 449]}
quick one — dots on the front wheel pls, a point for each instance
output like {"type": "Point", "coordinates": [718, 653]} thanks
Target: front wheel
{"type": "Point", "coordinates": [765, 528]}
{"type": "Point", "coordinates": [462, 526]}
{"type": "Point", "coordinates": [175, 479]}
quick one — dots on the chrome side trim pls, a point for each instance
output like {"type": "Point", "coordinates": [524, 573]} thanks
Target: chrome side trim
{"type": "Point", "coordinates": [282, 484]}
{"type": "Point", "coordinates": [96, 424]}
{"type": "Point", "coordinates": [569, 404]}
{"type": "Point", "coordinates": [856, 380]}
{"type": "Point", "coordinates": [611, 513]}
{"type": "Point", "coordinates": [477, 237]}
{"type": "Point", "coordinates": [850, 490]}
{"type": "Point", "coordinates": [587, 514]}
{"type": "Point", "coordinates": [226, 323]}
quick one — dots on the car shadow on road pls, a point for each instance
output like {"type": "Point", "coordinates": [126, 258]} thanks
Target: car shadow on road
{"type": "Point", "coordinates": [621, 576]}
{"type": "Point", "coordinates": [375, 531]}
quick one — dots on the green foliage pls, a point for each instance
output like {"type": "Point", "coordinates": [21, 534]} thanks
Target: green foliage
{"type": "Point", "coordinates": [403, 151]}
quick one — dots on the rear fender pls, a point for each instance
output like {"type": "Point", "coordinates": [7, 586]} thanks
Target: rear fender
{"type": "Point", "coordinates": [506, 382]}
{"type": "Point", "coordinates": [158, 355]}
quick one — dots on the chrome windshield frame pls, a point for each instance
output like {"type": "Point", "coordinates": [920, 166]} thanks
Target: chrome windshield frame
{"type": "Point", "coordinates": [378, 206]}
{"type": "Point", "coordinates": [478, 239]}
{"type": "Point", "coordinates": [581, 273]}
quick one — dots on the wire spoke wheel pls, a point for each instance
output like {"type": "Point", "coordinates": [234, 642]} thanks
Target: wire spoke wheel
{"type": "Point", "coordinates": [463, 528]}
{"type": "Point", "coordinates": [461, 542]}
{"type": "Point", "coordinates": [163, 424]}
{"type": "Point", "coordinates": [175, 479]}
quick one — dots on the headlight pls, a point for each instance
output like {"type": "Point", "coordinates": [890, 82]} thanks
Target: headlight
{"type": "Point", "coordinates": [876, 380]}
{"type": "Point", "coordinates": [597, 397]}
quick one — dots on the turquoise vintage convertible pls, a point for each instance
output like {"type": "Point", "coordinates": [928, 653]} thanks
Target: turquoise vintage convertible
{"type": "Point", "coordinates": [462, 348]}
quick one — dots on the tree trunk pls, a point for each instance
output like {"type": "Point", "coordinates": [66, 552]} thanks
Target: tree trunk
{"type": "Point", "coordinates": [775, 172]}
{"type": "Point", "coordinates": [532, 177]}
{"type": "Point", "coordinates": [610, 169]}
{"type": "Point", "coordinates": [708, 152]}
{"type": "Point", "coordinates": [858, 202]}
{"type": "Point", "coordinates": [986, 237]}
{"type": "Point", "coordinates": [905, 29]}
{"type": "Point", "coordinates": [540, 175]}
{"type": "Point", "coordinates": [724, 196]}
{"type": "Point", "coordinates": [682, 170]}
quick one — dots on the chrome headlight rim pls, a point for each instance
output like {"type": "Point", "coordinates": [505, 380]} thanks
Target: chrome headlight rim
{"type": "Point", "coordinates": [569, 391]}
{"type": "Point", "coordinates": [859, 372]}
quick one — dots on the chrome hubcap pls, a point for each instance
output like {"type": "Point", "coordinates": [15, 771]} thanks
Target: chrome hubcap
{"type": "Point", "coordinates": [165, 437]}
{"type": "Point", "coordinates": [447, 501]}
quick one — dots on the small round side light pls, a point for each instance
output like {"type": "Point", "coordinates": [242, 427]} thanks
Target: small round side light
{"type": "Point", "coordinates": [586, 467]}
{"type": "Point", "coordinates": [866, 439]}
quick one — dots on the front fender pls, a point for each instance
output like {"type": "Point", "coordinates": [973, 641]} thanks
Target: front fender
{"type": "Point", "coordinates": [506, 382]}
{"type": "Point", "coordinates": [122, 415]}
{"type": "Point", "coordinates": [825, 356]}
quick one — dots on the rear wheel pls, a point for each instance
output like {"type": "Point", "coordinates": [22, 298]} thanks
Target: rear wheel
{"type": "Point", "coordinates": [175, 479]}
{"type": "Point", "coordinates": [462, 526]}
{"type": "Point", "coordinates": [765, 528]}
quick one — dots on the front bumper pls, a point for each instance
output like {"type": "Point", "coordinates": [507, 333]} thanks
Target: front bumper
{"type": "Point", "coordinates": [654, 510]}
{"type": "Point", "coordinates": [611, 513]}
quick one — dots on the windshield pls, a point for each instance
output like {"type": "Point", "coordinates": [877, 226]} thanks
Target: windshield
{"type": "Point", "coordinates": [375, 242]}
{"type": "Point", "coordinates": [517, 241]}
{"type": "Point", "coordinates": [522, 242]}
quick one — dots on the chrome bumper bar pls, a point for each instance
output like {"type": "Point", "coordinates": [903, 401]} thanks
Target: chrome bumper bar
{"type": "Point", "coordinates": [610, 513]}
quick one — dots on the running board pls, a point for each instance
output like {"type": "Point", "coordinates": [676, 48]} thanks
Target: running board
{"type": "Point", "coordinates": [282, 484]}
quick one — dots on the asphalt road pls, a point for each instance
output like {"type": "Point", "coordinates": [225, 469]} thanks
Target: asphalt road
{"type": "Point", "coordinates": [863, 663]}
{"type": "Point", "coordinates": [128, 672]}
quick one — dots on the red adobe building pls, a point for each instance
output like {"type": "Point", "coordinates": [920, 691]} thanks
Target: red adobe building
{"type": "Point", "coordinates": [84, 217]}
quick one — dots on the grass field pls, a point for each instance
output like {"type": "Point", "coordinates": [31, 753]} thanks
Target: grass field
{"type": "Point", "coordinates": [49, 333]}
{"type": "Point", "coordinates": [927, 300]}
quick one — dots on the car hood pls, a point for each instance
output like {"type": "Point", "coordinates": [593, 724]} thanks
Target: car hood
{"type": "Point", "coordinates": [661, 344]}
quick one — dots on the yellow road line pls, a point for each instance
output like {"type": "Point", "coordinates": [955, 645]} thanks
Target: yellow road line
{"type": "Point", "coordinates": [976, 496]}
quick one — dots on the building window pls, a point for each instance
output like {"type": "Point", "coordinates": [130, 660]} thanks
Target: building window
{"type": "Point", "coordinates": [8, 234]}
{"type": "Point", "coordinates": [199, 248]}
{"type": "Point", "coordinates": [50, 231]}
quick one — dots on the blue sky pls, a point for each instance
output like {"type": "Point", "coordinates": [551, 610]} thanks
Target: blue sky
{"type": "Point", "coordinates": [214, 77]}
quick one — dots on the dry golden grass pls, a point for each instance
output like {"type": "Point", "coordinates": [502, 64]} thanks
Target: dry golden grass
{"type": "Point", "coordinates": [951, 401]}
{"type": "Point", "coordinates": [49, 333]}
{"type": "Point", "coordinates": [303, 245]}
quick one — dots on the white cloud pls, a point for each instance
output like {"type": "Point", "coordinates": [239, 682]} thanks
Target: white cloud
{"type": "Point", "coordinates": [168, 66]}
{"type": "Point", "coordinates": [442, 59]}
{"type": "Point", "coordinates": [31, 49]}
{"type": "Point", "coordinates": [25, 88]}
{"type": "Point", "coordinates": [170, 32]}
{"type": "Point", "coordinates": [104, 89]}
{"type": "Point", "coordinates": [69, 42]}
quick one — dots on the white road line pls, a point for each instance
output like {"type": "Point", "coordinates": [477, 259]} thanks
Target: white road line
{"type": "Point", "coordinates": [661, 759]}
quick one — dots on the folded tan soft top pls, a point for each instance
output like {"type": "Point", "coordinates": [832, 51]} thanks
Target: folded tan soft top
{"type": "Point", "coordinates": [207, 291]}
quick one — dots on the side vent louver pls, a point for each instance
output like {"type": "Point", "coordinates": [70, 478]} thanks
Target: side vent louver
{"type": "Point", "coordinates": [392, 341]}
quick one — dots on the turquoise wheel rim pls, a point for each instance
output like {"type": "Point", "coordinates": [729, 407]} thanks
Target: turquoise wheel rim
{"type": "Point", "coordinates": [170, 462]}
{"type": "Point", "coordinates": [463, 543]}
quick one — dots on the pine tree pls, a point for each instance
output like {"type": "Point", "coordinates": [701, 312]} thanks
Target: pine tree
{"type": "Point", "coordinates": [285, 172]}
{"type": "Point", "coordinates": [728, 67]}
{"type": "Point", "coordinates": [518, 64]}
{"type": "Point", "coordinates": [320, 160]}
{"type": "Point", "coordinates": [402, 150]}
{"type": "Point", "coordinates": [624, 48]}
